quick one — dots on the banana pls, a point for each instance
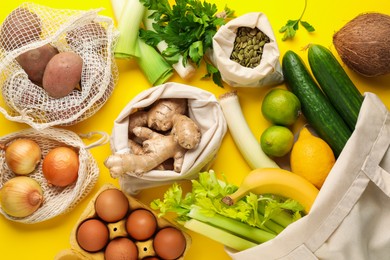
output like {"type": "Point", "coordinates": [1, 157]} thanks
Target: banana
{"type": "Point", "coordinates": [276, 181]}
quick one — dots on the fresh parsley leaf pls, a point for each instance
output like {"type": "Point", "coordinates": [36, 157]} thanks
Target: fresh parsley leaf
{"type": "Point", "coordinates": [214, 73]}
{"type": "Point", "coordinates": [187, 26]}
{"type": "Point", "coordinates": [292, 26]}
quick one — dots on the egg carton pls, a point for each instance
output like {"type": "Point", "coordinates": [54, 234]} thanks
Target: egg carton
{"type": "Point", "coordinates": [116, 230]}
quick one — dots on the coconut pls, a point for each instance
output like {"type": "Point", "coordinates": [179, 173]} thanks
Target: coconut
{"type": "Point", "coordinates": [363, 44]}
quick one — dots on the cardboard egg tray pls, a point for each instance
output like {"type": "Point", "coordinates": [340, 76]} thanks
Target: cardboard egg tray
{"type": "Point", "coordinates": [117, 229]}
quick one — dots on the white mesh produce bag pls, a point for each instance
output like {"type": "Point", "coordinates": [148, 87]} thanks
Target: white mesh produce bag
{"type": "Point", "coordinates": [57, 200]}
{"type": "Point", "coordinates": [84, 32]}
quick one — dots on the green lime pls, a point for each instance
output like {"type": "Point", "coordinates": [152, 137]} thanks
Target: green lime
{"type": "Point", "coordinates": [277, 140]}
{"type": "Point", "coordinates": [281, 107]}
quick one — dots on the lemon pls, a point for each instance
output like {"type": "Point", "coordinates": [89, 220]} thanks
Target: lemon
{"type": "Point", "coordinates": [312, 158]}
{"type": "Point", "coordinates": [281, 107]}
{"type": "Point", "coordinates": [276, 140]}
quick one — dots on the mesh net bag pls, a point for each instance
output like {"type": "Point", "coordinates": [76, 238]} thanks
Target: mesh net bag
{"type": "Point", "coordinates": [57, 200]}
{"type": "Point", "coordinates": [32, 26]}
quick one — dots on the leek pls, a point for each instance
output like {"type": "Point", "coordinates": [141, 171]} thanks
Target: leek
{"type": "Point", "coordinates": [242, 134]}
{"type": "Point", "coordinates": [154, 66]}
{"type": "Point", "coordinates": [129, 14]}
{"type": "Point", "coordinates": [128, 26]}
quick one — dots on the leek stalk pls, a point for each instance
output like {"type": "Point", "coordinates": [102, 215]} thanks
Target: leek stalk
{"type": "Point", "coordinates": [129, 14]}
{"type": "Point", "coordinates": [128, 26]}
{"type": "Point", "coordinates": [242, 134]}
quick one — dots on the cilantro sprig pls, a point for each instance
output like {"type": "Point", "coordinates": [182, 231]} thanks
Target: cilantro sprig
{"type": "Point", "coordinates": [292, 26]}
{"type": "Point", "coordinates": [188, 27]}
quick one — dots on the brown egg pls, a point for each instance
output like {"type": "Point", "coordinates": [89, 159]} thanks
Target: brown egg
{"type": "Point", "coordinates": [92, 235]}
{"type": "Point", "coordinates": [141, 224]}
{"type": "Point", "coordinates": [111, 205]}
{"type": "Point", "coordinates": [169, 243]}
{"type": "Point", "coordinates": [121, 248]}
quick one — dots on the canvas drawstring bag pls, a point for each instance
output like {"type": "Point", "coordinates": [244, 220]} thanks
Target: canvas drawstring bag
{"type": "Point", "coordinates": [203, 108]}
{"type": "Point", "coordinates": [351, 215]}
{"type": "Point", "coordinates": [267, 73]}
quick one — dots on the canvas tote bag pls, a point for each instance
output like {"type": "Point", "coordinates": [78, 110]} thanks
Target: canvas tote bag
{"type": "Point", "coordinates": [350, 218]}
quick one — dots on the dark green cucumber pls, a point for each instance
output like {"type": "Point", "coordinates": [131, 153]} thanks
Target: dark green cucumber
{"type": "Point", "coordinates": [335, 83]}
{"type": "Point", "coordinates": [316, 107]}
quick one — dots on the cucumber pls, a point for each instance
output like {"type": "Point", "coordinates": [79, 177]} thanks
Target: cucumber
{"type": "Point", "coordinates": [316, 107]}
{"type": "Point", "coordinates": [335, 83]}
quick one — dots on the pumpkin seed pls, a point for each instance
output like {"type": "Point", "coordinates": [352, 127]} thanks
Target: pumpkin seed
{"type": "Point", "coordinates": [248, 46]}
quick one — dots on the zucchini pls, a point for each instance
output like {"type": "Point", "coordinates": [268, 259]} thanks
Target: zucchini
{"type": "Point", "coordinates": [316, 107]}
{"type": "Point", "coordinates": [335, 83]}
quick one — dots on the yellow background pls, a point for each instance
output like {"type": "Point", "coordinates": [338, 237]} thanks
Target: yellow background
{"type": "Point", "coordinates": [45, 240]}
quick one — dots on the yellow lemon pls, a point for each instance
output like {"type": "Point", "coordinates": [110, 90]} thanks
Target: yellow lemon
{"type": "Point", "coordinates": [312, 158]}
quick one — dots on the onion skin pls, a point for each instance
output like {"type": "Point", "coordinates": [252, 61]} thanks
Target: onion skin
{"type": "Point", "coordinates": [60, 166]}
{"type": "Point", "coordinates": [22, 156]}
{"type": "Point", "coordinates": [21, 196]}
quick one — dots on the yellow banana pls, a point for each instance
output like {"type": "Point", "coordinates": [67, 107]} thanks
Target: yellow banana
{"type": "Point", "coordinates": [279, 182]}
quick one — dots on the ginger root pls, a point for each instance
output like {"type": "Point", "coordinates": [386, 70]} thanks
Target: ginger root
{"type": "Point", "coordinates": [156, 149]}
{"type": "Point", "coordinates": [156, 137]}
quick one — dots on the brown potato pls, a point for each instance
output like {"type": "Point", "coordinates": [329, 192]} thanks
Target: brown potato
{"type": "Point", "coordinates": [20, 28]}
{"type": "Point", "coordinates": [62, 74]}
{"type": "Point", "coordinates": [34, 62]}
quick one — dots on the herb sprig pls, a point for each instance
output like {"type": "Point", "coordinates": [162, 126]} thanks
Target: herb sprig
{"type": "Point", "coordinates": [188, 27]}
{"type": "Point", "coordinates": [292, 26]}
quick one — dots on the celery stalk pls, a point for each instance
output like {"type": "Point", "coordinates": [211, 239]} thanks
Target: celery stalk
{"type": "Point", "coordinates": [128, 26]}
{"type": "Point", "coordinates": [154, 66]}
{"type": "Point", "coordinates": [232, 226]}
{"type": "Point", "coordinates": [219, 235]}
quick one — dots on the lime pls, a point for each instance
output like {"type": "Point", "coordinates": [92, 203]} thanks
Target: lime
{"type": "Point", "coordinates": [277, 140]}
{"type": "Point", "coordinates": [281, 107]}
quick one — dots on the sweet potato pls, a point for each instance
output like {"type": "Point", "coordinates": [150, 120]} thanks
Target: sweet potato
{"type": "Point", "coordinates": [20, 28]}
{"type": "Point", "coordinates": [62, 74]}
{"type": "Point", "coordinates": [34, 62]}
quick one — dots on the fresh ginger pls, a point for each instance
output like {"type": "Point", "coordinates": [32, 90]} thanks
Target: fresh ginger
{"type": "Point", "coordinates": [157, 148]}
{"type": "Point", "coordinates": [160, 115]}
{"type": "Point", "coordinates": [156, 137]}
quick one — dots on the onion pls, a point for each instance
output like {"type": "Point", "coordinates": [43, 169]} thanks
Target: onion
{"type": "Point", "coordinates": [21, 196]}
{"type": "Point", "coordinates": [22, 156]}
{"type": "Point", "coordinates": [60, 166]}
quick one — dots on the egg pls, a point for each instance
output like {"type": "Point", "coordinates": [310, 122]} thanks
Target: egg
{"type": "Point", "coordinates": [111, 205]}
{"type": "Point", "coordinates": [169, 243]}
{"type": "Point", "coordinates": [92, 235]}
{"type": "Point", "coordinates": [121, 248]}
{"type": "Point", "coordinates": [141, 224]}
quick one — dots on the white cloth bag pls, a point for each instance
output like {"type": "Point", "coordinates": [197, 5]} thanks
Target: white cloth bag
{"type": "Point", "coordinates": [350, 218]}
{"type": "Point", "coordinates": [267, 73]}
{"type": "Point", "coordinates": [203, 108]}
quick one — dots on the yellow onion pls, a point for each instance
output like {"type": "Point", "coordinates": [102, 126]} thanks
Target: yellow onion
{"type": "Point", "coordinates": [21, 196]}
{"type": "Point", "coordinates": [60, 166]}
{"type": "Point", "coordinates": [22, 156]}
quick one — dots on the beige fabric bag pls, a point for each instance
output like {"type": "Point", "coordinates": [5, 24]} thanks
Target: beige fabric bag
{"type": "Point", "coordinates": [268, 72]}
{"type": "Point", "coordinates": [203, 108]}
{"type": "Point", "coordinates": [350, 218]}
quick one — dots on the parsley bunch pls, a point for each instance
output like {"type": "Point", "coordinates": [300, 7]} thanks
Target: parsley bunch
{"type": "Point", "coordinates": [188, 28]}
